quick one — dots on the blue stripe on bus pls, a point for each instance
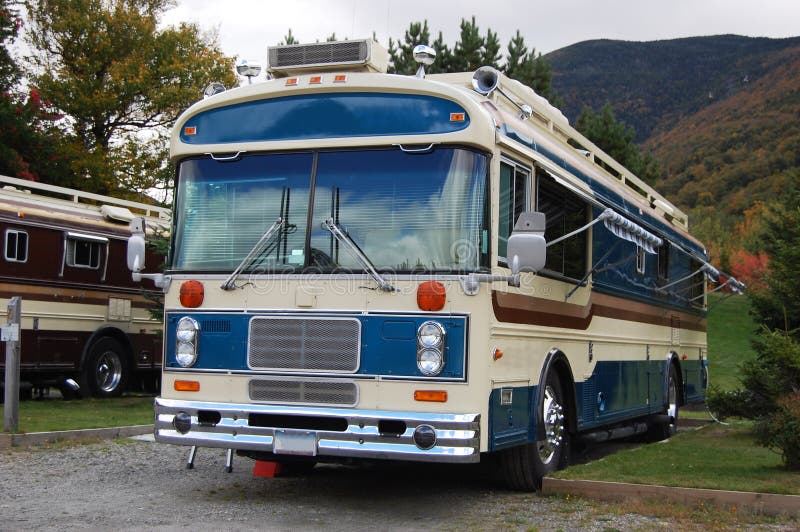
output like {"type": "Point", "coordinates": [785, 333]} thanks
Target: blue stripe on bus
{"type": "Point", "coordinates": [388, 342]}
{"type": "Point", "coordinates": [616, 391]}
{"type": "Point", "coordinates": [324, 116]}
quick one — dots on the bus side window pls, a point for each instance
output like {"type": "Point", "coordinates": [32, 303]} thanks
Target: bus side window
{"type": "Point", "coordinates": [515, 185]}
{"type": "Point", "coordinates": [16, 246]}
{"type": "Point", "coordinates": [564, 212]}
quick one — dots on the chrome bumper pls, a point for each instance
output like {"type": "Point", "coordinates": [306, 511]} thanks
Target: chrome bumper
{"type": "Point", "coordinates": [457, 435]}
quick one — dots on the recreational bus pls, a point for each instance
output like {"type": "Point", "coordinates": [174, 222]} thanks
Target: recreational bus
{"type": "Point", "coordinates": [433, 268]}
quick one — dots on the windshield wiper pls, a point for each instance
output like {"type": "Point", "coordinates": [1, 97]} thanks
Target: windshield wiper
{"type": "Point", "coordinates": [229, 283]}
{"type": "Point", "coordinates": [357, 254]}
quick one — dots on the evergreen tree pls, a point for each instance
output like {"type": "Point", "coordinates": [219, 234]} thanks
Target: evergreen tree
{"type": "Point", "coordinates": [444, 57]}
{"type": "Point", "coordinates": [616, 139]}
{"type": "Point", "coordinates": [402, 54]}
{"type": "Point", "coordinates": [289, 38]}
{"type": "Point", "coordinates": [778, 306]}
{"type": "Point", "coordinates": [491, 50]}
{"type": "Point", "coordinates": [516, 57]}
{"type": "Point", "coordinates": [469, 53]}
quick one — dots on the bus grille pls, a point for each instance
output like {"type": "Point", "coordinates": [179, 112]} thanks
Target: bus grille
{"type": "Point", "coordinates": [304, 344]}
{"type": "Point", "coordinates": [305, 392]}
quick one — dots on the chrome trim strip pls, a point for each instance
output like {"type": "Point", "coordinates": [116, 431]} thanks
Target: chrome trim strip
{"type": "Point", "coordinates": [349, 376]}
{"type": "Point", "coordinates": [458, 435]}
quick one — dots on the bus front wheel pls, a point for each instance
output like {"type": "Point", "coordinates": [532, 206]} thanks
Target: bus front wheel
{"type": "Point", "coordinates": [525, 466]}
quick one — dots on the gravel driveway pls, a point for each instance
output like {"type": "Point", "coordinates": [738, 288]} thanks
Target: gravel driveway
{"type": "Point", "coordinates": [129, 484]}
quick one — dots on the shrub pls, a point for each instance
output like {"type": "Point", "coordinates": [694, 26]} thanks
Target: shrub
{"type": "Point", "coordinates": [770, 394]}
{"type": "Point", "coordinates": [781, 430]}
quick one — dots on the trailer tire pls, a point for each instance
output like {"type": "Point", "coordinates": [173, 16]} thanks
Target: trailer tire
{"type": "Point", "coordinates": [106, 371]}
{"type": "Point", "coordinates": [525, 466]}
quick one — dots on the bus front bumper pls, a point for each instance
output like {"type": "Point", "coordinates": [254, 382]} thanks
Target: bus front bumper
{"type": "Point", "coordinates": [318, 431]}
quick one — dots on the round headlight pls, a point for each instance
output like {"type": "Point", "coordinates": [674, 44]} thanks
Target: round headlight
{"type": "Point", "coordinates": [187, 329]}
{"type": "Point", "coordinates": [430, 334]}
{"type": "Point", "coordinates": [430, 361]}
{"type": "Point", "coordinates": [185, 354]}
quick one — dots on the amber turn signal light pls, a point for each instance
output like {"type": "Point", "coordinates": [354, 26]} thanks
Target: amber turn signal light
{"type": "Point", "coordinates": [192, 294]}
{"type": "Point", "coordinates": [431, 295]}
{"type": "Point", "coordinates": [186, 386]}
{"type": "Point", "coordinates": [432, 396]}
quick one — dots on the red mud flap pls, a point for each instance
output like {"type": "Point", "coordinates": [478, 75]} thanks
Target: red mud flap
{"type": "Point", "coordinates": [266, 469]}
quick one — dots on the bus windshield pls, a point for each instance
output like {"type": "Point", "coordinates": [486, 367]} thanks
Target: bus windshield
{"type": "Point", "coordinates": [405, 212]}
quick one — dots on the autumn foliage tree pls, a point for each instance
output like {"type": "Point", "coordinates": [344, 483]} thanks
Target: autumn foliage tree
{"type": "Point", "coordinates": [28, 143]}
{"type": "Point", "coordinates": [121, 81]}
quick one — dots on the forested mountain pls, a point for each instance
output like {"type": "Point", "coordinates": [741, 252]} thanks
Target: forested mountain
{"type": "Point", "coordinates": [721, 115]}
{"type": "Point", "coordinates": [653, 84]}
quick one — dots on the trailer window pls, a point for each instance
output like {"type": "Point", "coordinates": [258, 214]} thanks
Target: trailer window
{"type": "Point", "coordinates": [16, 246]}
{"type": "Point", "coordinates": [83, 253]}
{"type": "Point", "coordinates": [514, 200]}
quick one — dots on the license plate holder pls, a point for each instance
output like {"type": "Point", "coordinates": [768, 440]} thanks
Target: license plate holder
{"type": "Point", "coordinates": [296, 442]}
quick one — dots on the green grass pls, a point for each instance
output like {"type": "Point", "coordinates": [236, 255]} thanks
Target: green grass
{"type": "Point", "coordinates": [712, 457]}
{"type": "Point", "coordinates": [56, 414]}
{"type": "Point", "coordinates": [730, 330]}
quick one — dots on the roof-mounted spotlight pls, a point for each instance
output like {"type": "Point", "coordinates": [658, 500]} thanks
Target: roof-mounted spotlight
{"type": "Point", "coordinates": [214, 88]}
{"type": "Point", "coordinates": [425, 56]}
{"type": "Point", "coordinates": [248, 70]}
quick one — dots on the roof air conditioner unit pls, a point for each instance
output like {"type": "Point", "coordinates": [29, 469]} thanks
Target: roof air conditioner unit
{"type": "Point", "coordinates": [352, 56]}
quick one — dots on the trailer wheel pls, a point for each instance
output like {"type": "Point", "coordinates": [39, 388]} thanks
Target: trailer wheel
{"type": "Point", "coordinates": [525, 466]}
{"type": "Point", "coordinates": [106, 371]}
{"type": "Point", "coordinates": [662, 431]}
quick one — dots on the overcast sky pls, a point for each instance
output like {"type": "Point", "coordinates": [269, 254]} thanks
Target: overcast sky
{"type": "Point", "coordinates": [246, 27]}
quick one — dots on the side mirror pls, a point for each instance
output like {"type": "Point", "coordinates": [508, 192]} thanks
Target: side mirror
{"type": "Point", "coordinates": [136, 246]}
{"type": "Point", "coordinates": [527, 248]}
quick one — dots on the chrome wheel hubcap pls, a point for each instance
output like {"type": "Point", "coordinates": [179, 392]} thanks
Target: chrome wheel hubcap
{"type": "Point", "coordinates": [553, 425]}
{"type": "Point", "coordinates": [109, 371]}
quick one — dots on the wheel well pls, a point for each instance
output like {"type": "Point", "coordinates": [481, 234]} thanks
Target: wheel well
{"type": "Point", "coordinates": [109, 332]}
{"type": "Point", "coordinates": [675, 361]}
{"type": "Point", "coordinates": [557, 363]}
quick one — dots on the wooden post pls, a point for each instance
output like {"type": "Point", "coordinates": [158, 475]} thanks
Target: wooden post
{"type": "Point", "coordinates": [11, 336]}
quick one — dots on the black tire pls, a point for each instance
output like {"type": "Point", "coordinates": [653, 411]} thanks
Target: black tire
{"type": "Point", "coordinates": [663, 431]}
{"type": "Point", "coordinates": [106, 371]}
{"type": "Point", "coordinates": [525, 466]}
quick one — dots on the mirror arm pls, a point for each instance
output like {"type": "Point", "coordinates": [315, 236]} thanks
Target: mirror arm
{"type": "Point", "coordinates": [159, 279]}
{"type": "Point", "coordinates": [471, 283]}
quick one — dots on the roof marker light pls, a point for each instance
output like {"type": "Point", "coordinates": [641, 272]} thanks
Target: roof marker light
{"type": "Point", "coordinates": [291, 82]}
{"type": "Point", "coordinates": [340, 78]}
{"type": "Point", "coordinates": [315, 80]}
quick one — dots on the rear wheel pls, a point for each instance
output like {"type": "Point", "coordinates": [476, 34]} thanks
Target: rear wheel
{"type": "Point", "coordinates": [106, 371]}
{"type": "Point", "coordinates": [525, 466]}
{"type": "Point", "coordinates": [662, 431]}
